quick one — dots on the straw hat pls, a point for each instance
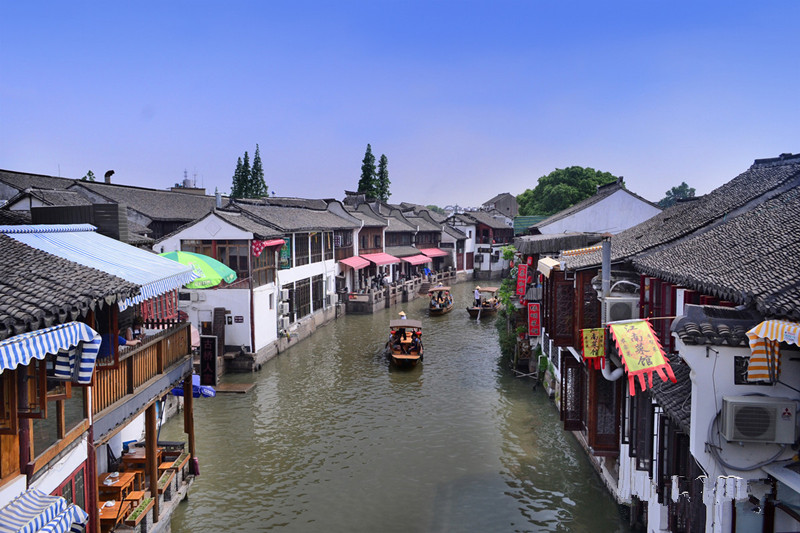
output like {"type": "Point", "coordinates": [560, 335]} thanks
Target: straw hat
{"type": "Point", "coordinates": [478, 287]}
{"type": "Point", "coordinates": [401, 313]}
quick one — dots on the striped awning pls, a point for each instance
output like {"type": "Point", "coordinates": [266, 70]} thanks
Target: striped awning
{"type": "Point", "coordinates": [75, 344]}
{"type": "Point", "coordinates": [417, 259]}
{"type": "Point", "coordinates": [34, 511]}
{"type": "Point", "coordinates": [355, 262]}
{"type": "Point", "coordinates": [765, 352]}
{"type": "Point", "coordinates": [380, 258]}
{"type": "Point", "coordinates": [81, 244]}
{"type": "Point", "coordinates": [433, 252]}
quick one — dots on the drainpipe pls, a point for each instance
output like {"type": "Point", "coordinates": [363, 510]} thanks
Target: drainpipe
{"type": "Point", "coordinates": [610, 375]}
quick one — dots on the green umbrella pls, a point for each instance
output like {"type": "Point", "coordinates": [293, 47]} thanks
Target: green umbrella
{"type": "Point", "coordinates": [211, 271]}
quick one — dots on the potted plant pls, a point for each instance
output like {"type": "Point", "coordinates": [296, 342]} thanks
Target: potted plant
{"type": "Point", "coordinates": [521, 331]}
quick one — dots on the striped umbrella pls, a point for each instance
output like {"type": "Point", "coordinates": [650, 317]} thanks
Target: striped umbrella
{"type": "Point", "coordinates": [211, 271]}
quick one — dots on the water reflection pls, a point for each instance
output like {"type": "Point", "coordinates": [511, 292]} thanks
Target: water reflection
{"type": "Point", "coordinates": [332, 437]}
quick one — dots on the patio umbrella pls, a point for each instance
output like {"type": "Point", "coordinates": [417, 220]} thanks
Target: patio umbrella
{"type": "Point", "coordinates": [211, 271]}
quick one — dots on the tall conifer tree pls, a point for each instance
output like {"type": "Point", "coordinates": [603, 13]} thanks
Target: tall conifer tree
{"type": "Point", "coordinates": [237, 187]}
{"type": "Point", "coordinates": [258, 187]}
{"type": "Point", "coordinates": [367, 184]}
{"type": "Point", "coordinates": [383, 179]}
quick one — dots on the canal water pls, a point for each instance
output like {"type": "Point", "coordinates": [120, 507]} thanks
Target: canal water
{"type": "Point", "coordinates": [332, 438]}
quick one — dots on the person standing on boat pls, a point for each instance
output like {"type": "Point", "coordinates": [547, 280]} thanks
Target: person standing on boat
{"type": "Point", "coordinates": [478, 296]}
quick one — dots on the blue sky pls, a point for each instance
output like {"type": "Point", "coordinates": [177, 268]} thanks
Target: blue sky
{"type": "Point", "coordinates": [466, 99]}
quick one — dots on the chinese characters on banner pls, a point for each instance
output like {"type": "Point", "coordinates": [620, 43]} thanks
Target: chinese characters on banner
{"type": "Point", "coordinates": [641, 353]}
{"type": "Point", "coordinates": [534, 321]}
{"type": "Point", "coordinates": [594, 347]}
{"type": "Point", "coordinates": [522, 277]}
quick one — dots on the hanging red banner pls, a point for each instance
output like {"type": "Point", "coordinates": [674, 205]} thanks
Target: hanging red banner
{"type": "Point", "coordinates": [522, 276]}
{"type": "Point", "coordinates": [530, 260]}
{"type": "Point", "coordinates": [594, 347]}
{"type": "Point", "coordinates": [534, 320]}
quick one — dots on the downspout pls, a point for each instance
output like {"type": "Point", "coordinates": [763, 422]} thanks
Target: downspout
{"type": "Point", "coordinates": [252, 305]}
{"type": "Point", "coordinates": [610, 375]}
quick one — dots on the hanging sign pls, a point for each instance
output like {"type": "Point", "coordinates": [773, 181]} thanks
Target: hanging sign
{"type": "Point", "coordinates": [594, 347]}
{"type": "Point", "coordinates": [530, 260]}
{"type": "Point", "coordinates": [522, 276]}
{"type": "Point", "coordinates": [208, 360]}
{"type": "Point", "coordinates": [641, 353]}
{"type": "Point", "coordinates": [534, 319]}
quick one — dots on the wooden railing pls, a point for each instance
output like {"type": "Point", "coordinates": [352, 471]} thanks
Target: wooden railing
{"type": "Point", "coordinates": [138, 365]}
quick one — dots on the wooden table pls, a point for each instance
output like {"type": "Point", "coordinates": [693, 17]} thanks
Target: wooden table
{"type": "Point", "coordinates": [138, 457]}
{"type": "Point", "coordinates": [120, 487]}
{"type": "Point", "coordinates": [113, 515]}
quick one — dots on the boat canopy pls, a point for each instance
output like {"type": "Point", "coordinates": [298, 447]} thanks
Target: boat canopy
{"type": "Point", "coordinates": [405, 323]}
{"type": "Point", "coordinates": [436, 289]}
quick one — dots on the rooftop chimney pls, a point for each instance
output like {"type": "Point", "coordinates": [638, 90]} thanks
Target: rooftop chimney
{"type": "Point", "coordinates": [108, 175]}
{"type": "Point", "coordinates": [218, 197]}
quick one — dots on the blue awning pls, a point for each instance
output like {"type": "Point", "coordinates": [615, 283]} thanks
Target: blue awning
{"type": "Point", "coordinates": [34, 510]}
{"type": "Point", "coordinates": [81, 244]}
{"type": "Point", "coordinates": [65, 340]}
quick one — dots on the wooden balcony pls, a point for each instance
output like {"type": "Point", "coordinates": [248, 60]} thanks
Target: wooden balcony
{"type": "Point", "coordinates": [144, 373]}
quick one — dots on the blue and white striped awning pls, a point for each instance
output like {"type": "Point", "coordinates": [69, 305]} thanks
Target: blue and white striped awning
{"type": "Point", "coordinates": [63, 340]}
{"type": "Point", "coordinates": [81, 244]}
{"type": "Point", "coordinates": [34, 510]}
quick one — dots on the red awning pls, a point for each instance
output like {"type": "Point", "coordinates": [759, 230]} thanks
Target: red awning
{"type": "Point", "coordinates": [355, 262]}
{"type": "Point", "coordinates": [274, 242]}
{"type": "Point", "coordinates": [434, 252]}
{"type": "Point", "coordinates": [417, 259]}
{"type": "Point", "coordinates": [380, 258]}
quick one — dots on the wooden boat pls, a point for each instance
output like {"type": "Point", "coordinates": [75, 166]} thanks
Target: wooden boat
{"type": "Point", "coordinates": [441, 301]}
{"type": "Point", "coordinates": [404, 347]}
{"type": "Point", "coordinates": [489, 303]}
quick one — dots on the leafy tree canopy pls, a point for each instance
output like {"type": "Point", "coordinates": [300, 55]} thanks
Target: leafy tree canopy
{"type": "Point", "coordinates": [88, 177]}
{"type": "Point", "coordinates": [680, 192]}
{"type": "Point", "coordinates": [436, 209]}
{"type": "Point", "coordinates": [561, 189]}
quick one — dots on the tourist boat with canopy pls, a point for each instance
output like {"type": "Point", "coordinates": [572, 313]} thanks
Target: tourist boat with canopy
{"type": "Point", "coordinates": [441, 301]}
{"type": "Point", "coordinates": [404, 347]}
{"type": "Point", "coordinates": [489, 304]}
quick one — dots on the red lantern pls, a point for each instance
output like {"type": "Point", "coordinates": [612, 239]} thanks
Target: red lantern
{"type": "Point", "coordinates": [530, 260]}
{"type": "Point", "coordinates": [511, 264]}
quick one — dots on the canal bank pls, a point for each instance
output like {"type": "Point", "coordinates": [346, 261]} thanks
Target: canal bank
{"type": "Point", "coordinates": [331, 437]}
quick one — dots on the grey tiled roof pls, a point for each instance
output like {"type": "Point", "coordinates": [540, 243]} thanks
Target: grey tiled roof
{"type": "Point", "coordinates": [675, 398]}
{"type": "Point", "coordinates": [14, 218]}
{"type": "Point", "coordinates": [371, 220]}
{"type": "Point", "coordinates": [25, 180]}
{"type": "Point", "coordinates": [154, 204]}
{"type": "Point", "coordinates": [245, 222]}
{"type": "Point", "coordinates": [39, 290]}
{"type": "Point", "coordinates": [602, 193]}
{"type": "Point", "coordinates": [53, 197]}
{"type": "Point", "coordinates": [554, 243]}
{"type": "Point", "coordinates": [455, 232]}
{"type": "Point", "coordinates": [398, 224]}
{"type": "Point", "coordinates": [484, 218]}
{"type": "Point", "coordinates": [308, 203]}
{"type": "Point", "coordinates": [422, 223]}
{"type": "Point", "coordinates": [498, 197]}
{"type": "Point", "coordinates": [296, 218]}
{"type": "Point", "coordinates": [762, 180]}
{"type": "Point", "coordinates": [402, 251]}
{"type": "Point", "coordinates": [750, 259]}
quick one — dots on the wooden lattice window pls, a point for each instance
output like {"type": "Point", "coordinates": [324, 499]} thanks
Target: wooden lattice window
{"type": "Point", "coordinates": [8, 403]}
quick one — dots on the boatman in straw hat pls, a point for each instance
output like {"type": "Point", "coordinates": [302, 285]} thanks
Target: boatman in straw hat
{"type": "Point", "coordinates": [478, 296]}
{"type": "Point", "coordinates": [402, 315]}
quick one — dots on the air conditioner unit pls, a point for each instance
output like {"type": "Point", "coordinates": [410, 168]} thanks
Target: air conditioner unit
{"type": "Point", "coordinates": [758, 419]}
{"type": "Point", "coordinates": [283, 308]}
{"type": "Point", "coordinates": [201, 297]}
{"type": "Point", "coordinates": [621, 308]}
{"type": "Point", "coordinates": [284, 294]}
{"type": "Point", "coordinates": [283, 322]}
{"type": "Point", "coordinates": [193, 296]}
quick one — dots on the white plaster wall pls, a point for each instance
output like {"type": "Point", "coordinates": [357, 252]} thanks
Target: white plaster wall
{"type": "Point", "coordinates": [56, 472]}
{"type": "Point", "coordinates": [237, 301]}
{"type": "Point", "coordinates": [612, 214]}
{"type": "Point", "coordinates": [265, 319]}
{"type": "Point", "coordinates": [211, 227]}
{"type": "Point", "coordinates": [12, 488]}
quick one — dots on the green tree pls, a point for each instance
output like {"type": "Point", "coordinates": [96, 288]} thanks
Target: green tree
{"type": "Point", "coordinates": [368, 182]}
{"type": "Point", "coordinates": [257, 185]}
{"type": "Point", "coordinates": [88, 177]}
{"type": "Point", "coordinates": [436, 209]}
{"type": "Point", "coordinates": [382, 179]}
{"type": "Point", "coordinates": [680, 192]}
{"type": "Point", "coordinates": [561, 189]}
{"type": "Point", "coordinates": [239, 181]}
